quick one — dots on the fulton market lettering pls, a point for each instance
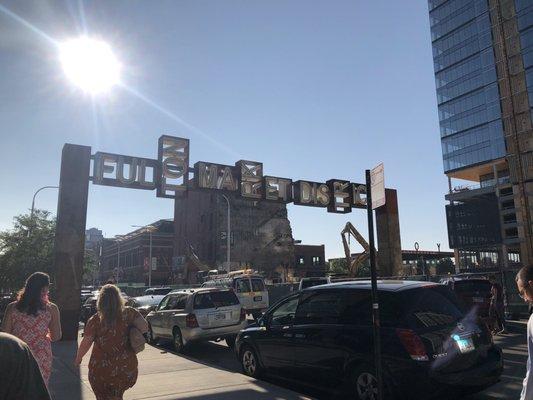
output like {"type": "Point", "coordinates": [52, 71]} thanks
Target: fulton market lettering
{"type": "Point", "coordinates": [169, 175]}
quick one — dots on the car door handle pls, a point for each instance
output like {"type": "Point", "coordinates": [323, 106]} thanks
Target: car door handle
{"type": "Point", "coordinates": [288, 335]}
{"type": "Point", "coordinates": [299, 336]}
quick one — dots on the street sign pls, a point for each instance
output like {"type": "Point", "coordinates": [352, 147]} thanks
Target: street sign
{"type": "Point", "coordinates": [178, 262]}
{"type": "Point", "coordinates": [377, 182]}
{"type": "Point", "coordinates": [154, 263]}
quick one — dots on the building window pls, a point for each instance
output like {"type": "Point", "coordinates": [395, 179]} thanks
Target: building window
{"type": "Point", "coordinates": [301, 261]}
{"type": "Point", "coordinates": [316, 260]}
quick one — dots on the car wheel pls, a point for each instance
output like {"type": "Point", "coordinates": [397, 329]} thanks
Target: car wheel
{"type": "Point", "coordinates": [177, 341]}
{"type": "Point", "coordinates": [230, 341]}
{"type": "Point", "coordinates": [250, 362]}
{"type": "Point", "coordinates": [365, 384]}
{"type": "Point", "coordinates": [151, 338]}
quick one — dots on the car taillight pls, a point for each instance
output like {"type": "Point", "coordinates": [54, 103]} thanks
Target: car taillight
{"type": "Point", "coordinates": [413, 344]}
{"type": "Point", "coordinates": [191, 321]}
{"type": "Point", "coordinates": [243, 315]}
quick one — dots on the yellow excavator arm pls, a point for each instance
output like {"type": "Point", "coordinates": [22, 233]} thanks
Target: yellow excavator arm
{"type": "Point", "coordinates": [353, 265]}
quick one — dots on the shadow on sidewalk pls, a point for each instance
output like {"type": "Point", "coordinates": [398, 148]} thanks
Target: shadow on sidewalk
{"type": "Point", "coordinates": [65, 381]}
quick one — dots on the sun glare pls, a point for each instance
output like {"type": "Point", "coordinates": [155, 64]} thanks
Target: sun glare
{"type": "Point", "coordinates": [90, 64]}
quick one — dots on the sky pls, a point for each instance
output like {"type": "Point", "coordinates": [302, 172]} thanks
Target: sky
{"type": "Point", "coordinates": [313, 89]}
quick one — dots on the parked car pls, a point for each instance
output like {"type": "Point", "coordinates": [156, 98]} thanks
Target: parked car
{"type": "Point", "coordinates": [313, 281]}
{"type": "Point", "coordinates": [322, 336]}
{"type": "Point", "coordinates": [145, 304]}
{"type": "Point", "coordinates": [191, 315]}
{"type": "Point", "coordinates": [85, 294]}
{"type": "Point", "coordinates": [473, 292]}
{"type": "Point", "coordinates": [157, 291]}
{"type": "Point", "coordinates": [249, 287]}
{"type": "Point", "coordinates": [4, 301]}
{"type": "Point", "coordinates": [88, 309]}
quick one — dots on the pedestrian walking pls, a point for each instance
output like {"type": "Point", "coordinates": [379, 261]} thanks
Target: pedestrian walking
{"type": "Point", "coordinates": [524, 282]}
{"type": "Point", "coordinates": [113, 363]}
{"type": "Point", "coordinates": [497, 307]}
{"type": "Point", "coordinates": [35, 320]}
{"type": "Point", "coordinates": [20, 376]}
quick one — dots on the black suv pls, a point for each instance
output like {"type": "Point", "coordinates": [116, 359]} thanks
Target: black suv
{"type": "Point", "coordinates": [322, 336]}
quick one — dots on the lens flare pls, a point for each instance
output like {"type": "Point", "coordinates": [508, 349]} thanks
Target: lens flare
{"type": "Point", "coordinates": [90, 64]}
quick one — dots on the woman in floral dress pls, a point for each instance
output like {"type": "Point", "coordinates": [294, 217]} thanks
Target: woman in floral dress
{"type": "Point", "coordinates": [35, 320]}
{"type": "Point", "coordinates": [113, 364]}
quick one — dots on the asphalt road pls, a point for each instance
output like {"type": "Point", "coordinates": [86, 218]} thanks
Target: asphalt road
{"type": "Point", "coordinates": [513, 345]}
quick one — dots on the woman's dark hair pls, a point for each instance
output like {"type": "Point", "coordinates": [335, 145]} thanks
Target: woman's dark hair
{"type": "Point", "coordinates": [29, 298]}
{"type": "Point", "coordinates": [525, 274]}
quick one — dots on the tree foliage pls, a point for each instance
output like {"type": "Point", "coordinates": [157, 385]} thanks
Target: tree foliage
{"type": "Point", "coordinates": [26, 248]}
{"type": "Point", "coordinates": [337, 266]}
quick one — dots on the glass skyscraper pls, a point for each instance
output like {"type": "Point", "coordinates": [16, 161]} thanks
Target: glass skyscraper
{"type": "Point", "coordinates": [483, 63]}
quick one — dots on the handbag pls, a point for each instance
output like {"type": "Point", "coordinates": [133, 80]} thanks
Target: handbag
{"type": "Point", "coordinates": [136, 339]}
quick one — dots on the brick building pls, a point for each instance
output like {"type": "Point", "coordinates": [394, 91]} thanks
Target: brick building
{"type": "Point", "coordinates": [128, 255]}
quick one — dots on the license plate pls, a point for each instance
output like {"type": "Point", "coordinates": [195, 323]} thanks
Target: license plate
{"type": "Point", "coordinates": [258, 298]}
{"type": "Point", "coordinates": [219, 317]}
{"type": "Point", "coordinates": [465, 345]}
{"type": "Point", "coordinates": [479, 300]}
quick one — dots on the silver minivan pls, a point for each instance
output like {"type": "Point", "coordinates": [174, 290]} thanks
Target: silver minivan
{"type": "Point", "coordinates": [203, 314]}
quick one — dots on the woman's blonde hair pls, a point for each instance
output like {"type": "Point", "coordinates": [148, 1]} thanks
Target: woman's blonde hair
{"type": "Point", "coordinates": [110, 304]}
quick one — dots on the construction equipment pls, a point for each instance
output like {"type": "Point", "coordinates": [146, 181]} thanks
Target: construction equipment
{"type": "Point", "coordinates": [355, 264]}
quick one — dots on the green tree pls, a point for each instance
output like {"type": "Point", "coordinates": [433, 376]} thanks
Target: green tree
{"type": "Point", "coordinates": [90, 267]}
{"type": "Point", "coordinates": [337, 266]}
{"type": "Point", "coordinates": [26, 248]}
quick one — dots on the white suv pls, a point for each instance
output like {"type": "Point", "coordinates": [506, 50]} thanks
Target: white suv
{"type": "Point", "coordinates": [189, 315]}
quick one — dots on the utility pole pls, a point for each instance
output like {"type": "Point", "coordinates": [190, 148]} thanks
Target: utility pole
{"type": "Point", "coordinates": [228, 235]}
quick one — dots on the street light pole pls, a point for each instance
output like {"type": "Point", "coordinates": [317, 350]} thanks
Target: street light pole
{"type": "Point", "coordinates": [33, 203]}
{"type": "Point", "coordinates": [150, 264]}
{"type": "Point", "coordinates": [150, 229]}
{"type": "Point", "coordinates": [118, 260]}
{"type": "Point", "coordinates": [228, 235]}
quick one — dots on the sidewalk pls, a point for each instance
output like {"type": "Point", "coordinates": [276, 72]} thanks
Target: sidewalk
{"type": "Point", "coordinates": [163, 375]}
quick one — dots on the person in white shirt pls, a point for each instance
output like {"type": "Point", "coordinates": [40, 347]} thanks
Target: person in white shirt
{"type": "Point", "coordinates": [524, 282]}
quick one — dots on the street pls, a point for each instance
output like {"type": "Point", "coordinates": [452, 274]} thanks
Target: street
{"type": "Point", "coordinates": [513, 344]}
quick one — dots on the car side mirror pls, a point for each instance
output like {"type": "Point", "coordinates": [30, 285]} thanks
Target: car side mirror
{"type": "Point", "coordinates": [262, 322]}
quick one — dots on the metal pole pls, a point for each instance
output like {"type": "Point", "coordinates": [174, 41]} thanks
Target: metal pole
{"type": "Point", "coordinates": [150, 263]}
{"type": "Point", "coordinates": [118, 261]}
{"type": "Point", "coordinates": [373, 275]}
{"type": "Point", "coordinates": [33, 204]}
{"type": "Point", "coordinates": [228, 235]}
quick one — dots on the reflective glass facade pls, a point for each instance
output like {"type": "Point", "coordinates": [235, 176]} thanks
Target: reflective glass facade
{"type": "Point", "coordinates": [465, 76]}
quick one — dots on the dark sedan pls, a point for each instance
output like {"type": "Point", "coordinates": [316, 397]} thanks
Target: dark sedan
{"type": "Point", "coordinates": [322, 336]}
{"type": "Point", "coordinates": [145, 304]}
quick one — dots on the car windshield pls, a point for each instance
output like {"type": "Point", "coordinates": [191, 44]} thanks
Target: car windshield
{"type": "Point", "coordinates": [147, 301]}
{"type": "Point", "coordinates": [160, 291]}
{"type": "Point", "coordinates": [215, 300]}
{"type": "Point", "coordinates": [431, 307]}
{"type": "Point", "coordinates": [313, 282]}
{"type": "Point", "coordinates": [90, 301]}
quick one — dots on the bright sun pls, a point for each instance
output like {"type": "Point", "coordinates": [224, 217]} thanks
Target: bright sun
{"type": "Point", "coordinates": [90, 64]}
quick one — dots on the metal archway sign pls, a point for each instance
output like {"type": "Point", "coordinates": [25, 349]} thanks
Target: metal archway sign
{"type": "Point", "coordinates": [171, 177]}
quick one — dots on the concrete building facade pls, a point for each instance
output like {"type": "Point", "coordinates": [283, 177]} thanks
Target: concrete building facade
{"type": "Point", "coordinates": [261, 235]}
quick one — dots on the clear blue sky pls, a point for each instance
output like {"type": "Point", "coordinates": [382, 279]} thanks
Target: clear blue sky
{"type": "Point", "coordinates": [313, 89]}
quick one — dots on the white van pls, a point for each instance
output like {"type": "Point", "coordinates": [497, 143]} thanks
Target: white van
{"type": "Point", "coordinates": [249, 287]}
